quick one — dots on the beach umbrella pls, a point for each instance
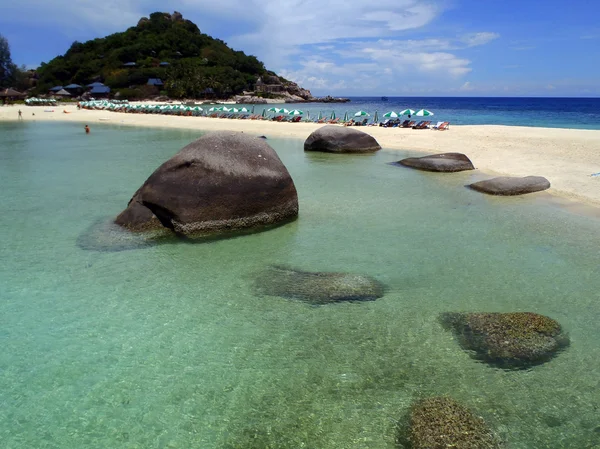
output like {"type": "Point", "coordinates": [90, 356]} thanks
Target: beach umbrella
{"type": "Point", "coordinates": [307, 115]}
{"type": "Point", "coordinates": [332, 115]}
{"type": "Point", "coordinates": [236, 110]}
{"type": "Point", "coordinates": [320, 116]}
{"type": "Point", "coordinates": [346, 117]}
{"type": "Point", "coordinates": [424, 113]}
{"type": "Point", "coordinates": [284, 111]}
{"type": "Point", "coordinates": [296, 112]}
{"type": "Point", "coordinates": [392, 114]}
{"type": "Point", "coordinates": [273, 109]}
{"type": "Point", "coordinates": [264, 113]}
{"type": "Point", "coordinates": [252, 112]}
{"type": "Point", "coordinates": [244, 110]}
{"type": "Point", "coordinates": [376, 118]}
{"type": "Point", "coordinates": [362, 114]}
{"type": "Point", "coordinates": [407, 112]}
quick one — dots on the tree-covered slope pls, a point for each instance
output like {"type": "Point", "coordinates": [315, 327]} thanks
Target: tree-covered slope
{"type": "Point", "coordinates": [195, 60]}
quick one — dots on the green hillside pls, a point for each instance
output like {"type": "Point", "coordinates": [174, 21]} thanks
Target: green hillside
{"type": "Point", "coordinates": [194, 61]}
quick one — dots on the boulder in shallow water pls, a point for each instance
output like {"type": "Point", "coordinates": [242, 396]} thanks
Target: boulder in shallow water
{"type": "Point", "coordinates": [223, 182]}
{"type": "Point", "coordinates": [318, 287]}
{"type": "Point", "coordinates": [516, 340]}
{"type": "Point", "coordinates": [511, 185]}
{"type": "Point", "coordinates": [444, 162]}
{"type": "Point", "coordinates": [340, 139]}
{"type": "Point", "coordinates": [442, 423]}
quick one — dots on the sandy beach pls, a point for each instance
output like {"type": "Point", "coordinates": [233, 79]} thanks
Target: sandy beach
{"type": "Point", "coordinates": [567, 157]}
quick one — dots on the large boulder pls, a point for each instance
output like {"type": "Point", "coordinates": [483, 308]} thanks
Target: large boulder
{"type": "Point", "coordinates": [445, 162]}
{"type": "Point", "coordinates": [318, 287]}
{"type": "Point", "coordinates": [510, 185]}
{"type": "Point", "coordinates": [442, 423]}
{"type": "Point", "coordinates": [510, 340]}
{"type": "Point", "coordinates": [222, 182]}
{"type": "Point", "coordinates": [340, 139]}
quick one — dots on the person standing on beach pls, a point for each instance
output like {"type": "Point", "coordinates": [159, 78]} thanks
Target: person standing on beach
{"type": "Point", "coordinates": [87, 129]}
{"type": "Point", "coordinates": [20, 115]}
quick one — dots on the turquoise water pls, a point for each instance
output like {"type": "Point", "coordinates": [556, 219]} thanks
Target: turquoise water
{"type": "Point", "coordinates": [169, 346]}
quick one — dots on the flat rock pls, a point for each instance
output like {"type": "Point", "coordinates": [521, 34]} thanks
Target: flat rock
{"type": "Point", "coordinates": [222, 183]}
{"type": "Point", "coordinates": [318, 287]}
{"type": "Point", "coordinates": [509, 340]}
{"type": "Point", "coordinates": [340, 139]}
{"type": "Point", "coordinates": [444, 162]}
{"type": "Point", "coordinates": [509, 185]}
{"type": "Point", "coordinates": [442, 423]}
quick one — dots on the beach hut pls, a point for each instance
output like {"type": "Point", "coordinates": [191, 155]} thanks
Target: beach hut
{"type": "Point", "coordinates": [54, 89]}
{"type": "Point", "coordinates": [11, 93]}
{"type": "Point", "coordinates": [100, 91]}
{"type": "Point", "coordinates": [95, 84]}
{"type": "Point", "coordinates": [155, 82]}
{"type": "Point", "coordinates": [62, 93]}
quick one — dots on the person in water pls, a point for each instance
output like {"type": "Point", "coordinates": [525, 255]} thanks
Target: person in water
{"type": "Point", "coordinates": [87, 129]}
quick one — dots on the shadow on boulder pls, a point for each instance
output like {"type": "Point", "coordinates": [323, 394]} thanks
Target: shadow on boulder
{"type": "Point", "coordinates": [317, 287]}
{"type": "Point", "coordinates": [105, 235]}
{"type": "Point", "coordinates": [517, 340]}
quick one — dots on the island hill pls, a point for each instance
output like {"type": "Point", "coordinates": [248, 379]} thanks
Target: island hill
{"type": "Point", "coordinates": [165, 55]}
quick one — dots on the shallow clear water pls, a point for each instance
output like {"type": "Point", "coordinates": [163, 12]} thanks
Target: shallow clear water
{"type": "Point", "coordinates": [168, 346]}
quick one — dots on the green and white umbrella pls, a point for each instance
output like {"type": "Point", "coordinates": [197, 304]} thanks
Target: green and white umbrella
{"type": "Point", "coordinates": [320, 116]}
{"type": "Point", "coordinates": [274, 109]}
{"type": "Point", "coordinates": [391, 114]}
{"type": "Point", "coordinates": [264, 113]}
{"type": "Point", "coordinates": [424, 113]}
{"type": "Point", "coordinates": [376, 118]}
{"type": "Point", "coordinates": [362, 114]}
{"type": "Point", "coordinates": [296, 112]}
{"type": "Point", "coordinates": [236, 110]}
{"type": "Point", "coordinates": [407, 112]}
{"type": "Point", "coordinates": [244, 110]}
{"type": "Point", "coordinates": [332, 117]}
{"type": "Point", "coordinates": [346, 117]}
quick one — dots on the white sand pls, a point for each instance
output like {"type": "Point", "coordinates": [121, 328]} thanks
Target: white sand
{"type": "Point", "coordinates": [567, 157]}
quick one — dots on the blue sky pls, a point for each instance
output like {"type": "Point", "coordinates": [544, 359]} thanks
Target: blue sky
{"type": "Point", "coordinates": [355, 47]}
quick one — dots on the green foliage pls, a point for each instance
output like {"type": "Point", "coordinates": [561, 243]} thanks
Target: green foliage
{"type": "Point", "coordinates": [197, 61]}
{"type": "Point", "coordinates": [7, 68]}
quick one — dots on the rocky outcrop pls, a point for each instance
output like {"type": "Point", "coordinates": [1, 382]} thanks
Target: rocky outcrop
{"type": "Point", "coordinates": [339, 139]}
{"type": "Point", "coordinates": [223, 182]}
{"type": "Point", "coordinates": [318, 287]}
{"type": "Point", "coordinates": [445, 162]}
{"type": "Point", "coordinates": [249, 99]}
{"type": "Point", "coordinates": [508, 185]}
{"type": "Point", "coordinates": [510, 340]}
{"type": "Point", "coordinates": [442, 423]}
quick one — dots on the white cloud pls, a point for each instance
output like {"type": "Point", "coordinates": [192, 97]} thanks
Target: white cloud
{"type": "Point", "coordinates": [476, 39]}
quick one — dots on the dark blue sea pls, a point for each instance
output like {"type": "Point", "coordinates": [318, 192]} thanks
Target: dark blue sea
{"type": "Point", "coordinates": [582, 113]}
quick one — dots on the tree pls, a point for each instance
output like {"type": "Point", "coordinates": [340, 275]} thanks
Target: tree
{"type": "Point", "coordinates": [7, 68]}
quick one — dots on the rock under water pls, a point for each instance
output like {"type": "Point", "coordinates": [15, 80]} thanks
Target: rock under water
{"type": "Point", "coordinates": [511, 185]}
{"type": "Point", "coordinates": [442, 423]}
{"type": "Point", "coordinates": [509, 340]}
{"type": "Point", "coordinates": [318, 287]}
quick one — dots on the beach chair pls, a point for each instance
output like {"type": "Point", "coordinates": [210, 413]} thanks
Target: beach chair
{"type": "Point", "coordinates": [442, 126]}
{"type": "Point", "coordinates": [422, 125]}
{"type": "Point", "coordinates": [409, 124]}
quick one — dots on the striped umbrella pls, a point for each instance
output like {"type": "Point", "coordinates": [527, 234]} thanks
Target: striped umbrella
{"type": "Point", "coordinates": [407, 112]}
{"type": "Point", "coordinates": [424, 113]}
{"type": "Point", "coordinates": [264, 113]}
{"type": "Point", "coordinates": [392, 114]}
{"type": "Point", "coordinates": [296, 112]}
{"type": "Point", "coordinates": [376, 118]}
{"type": "Point", "coordinates": [362, 114]}
{"type": "Point", "coordinates": [346, 117]}
{"type": "Point", "coordinates": [320, 116]}
{"type": "Point", "coordinates": [332, 117]}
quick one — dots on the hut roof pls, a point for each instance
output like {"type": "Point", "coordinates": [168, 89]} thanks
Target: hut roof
{"type": "Point", "coordinates": [100, 90]}
{"type": "Point", "coordinates": [72, 86]}
{"type": "Point", "coordinates": [63, 92]}
{"type": "Point", "coordinates": [56, 88]}
{"type": "Point", "coordinates": [129, 64]}
{"type": "Point", "coordinates": [164, 63]}
{"type": "Point", "coordinates": [97, 83]}
{"type": "Point", "coordinates": [154, 82]}
{"type": "Point", "coordinates": [10, 93]}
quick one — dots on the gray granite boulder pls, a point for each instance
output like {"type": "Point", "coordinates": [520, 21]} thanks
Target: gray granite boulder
{"type": "Point", "coordinates": [509, 185]}
{"type": "Point", "coordinates": [318, 287]}
{"type": "Point", "coordinates": [510, 340]}
{"type": "Point", "coordinates": [445, 162]}
{"type": "Point", "coordinates": [442, 423]}
{"type": "Point", "coordinates": [340, 139]}
{"type": "Point", "coordinates": [221, 183]}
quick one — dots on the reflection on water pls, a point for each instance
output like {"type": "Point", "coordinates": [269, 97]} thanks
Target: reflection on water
{"type": "Point", "coordinates": [169, 346]}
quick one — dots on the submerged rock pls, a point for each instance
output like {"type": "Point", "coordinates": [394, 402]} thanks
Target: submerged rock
{"type": "Point", "coordinates": [510, 340]}
{"type": "Point", "coordinates": [318, 287]}
{"type": "Point", "coordinates": [510, 185]}
{"type": "Point", "coordinates": [442, 423]}
{"type": "Point", "coordinates": [444, 162]}
{"type": "Point", "coordinates": [223, 182]}
{"type": "Point", "coordinates": [104, 235]}
{"type": "Point", "coordinates": [340, 139]}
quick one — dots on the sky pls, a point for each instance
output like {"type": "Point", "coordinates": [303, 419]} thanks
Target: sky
{"type": "Point", "coordinates": [357, 47]}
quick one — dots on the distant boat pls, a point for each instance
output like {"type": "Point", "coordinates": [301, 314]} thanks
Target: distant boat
{"type": "Point", "coordinates": [384, 98]}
